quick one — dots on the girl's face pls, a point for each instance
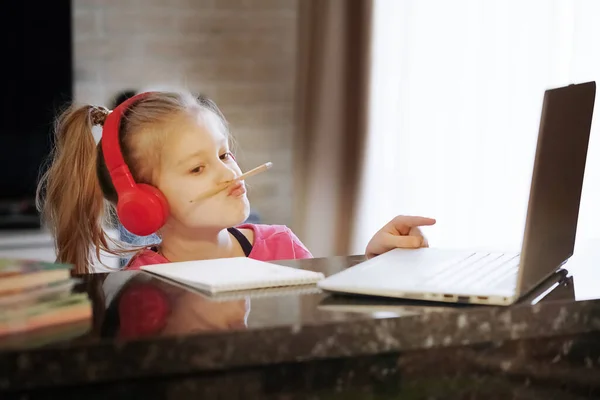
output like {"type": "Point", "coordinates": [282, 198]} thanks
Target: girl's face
{"type": "Point", "coordinates": [196, 158]}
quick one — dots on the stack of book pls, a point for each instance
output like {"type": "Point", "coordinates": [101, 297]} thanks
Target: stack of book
{"type": "Point", "coordinates": [38, 305]}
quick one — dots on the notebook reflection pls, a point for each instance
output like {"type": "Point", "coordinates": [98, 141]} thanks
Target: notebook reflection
{"type": "Point", "coordinates": [143, 306]}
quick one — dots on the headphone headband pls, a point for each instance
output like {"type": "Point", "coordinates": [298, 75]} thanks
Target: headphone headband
{"type": "Point", "coordinates": [111, 147]}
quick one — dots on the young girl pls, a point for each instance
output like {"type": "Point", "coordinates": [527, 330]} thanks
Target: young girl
{"type": "Point", "coordinates": [159, 153]}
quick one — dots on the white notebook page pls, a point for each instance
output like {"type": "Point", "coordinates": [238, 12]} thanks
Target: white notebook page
{"type": "Point", "coordinates": [230, 274]}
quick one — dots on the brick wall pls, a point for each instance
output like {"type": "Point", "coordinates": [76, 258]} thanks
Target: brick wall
{"type": "Point", "coordinates": [241, 53]}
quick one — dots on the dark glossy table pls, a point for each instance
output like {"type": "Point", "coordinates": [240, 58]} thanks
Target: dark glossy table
{"type": "Point", "coordinates": [306, 344]}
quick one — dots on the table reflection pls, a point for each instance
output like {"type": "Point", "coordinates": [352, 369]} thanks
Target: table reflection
{"type": "Point", "coordinates": [139, 305]}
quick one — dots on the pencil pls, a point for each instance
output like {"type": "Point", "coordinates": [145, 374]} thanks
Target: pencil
{"type": "Point", "coordinates": [225, 185]}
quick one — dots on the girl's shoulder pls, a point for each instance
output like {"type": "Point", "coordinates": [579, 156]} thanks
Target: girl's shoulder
{"type": "Point", "coordinates": [275, 242]}
{"type": "Point", "coordinates": [265, 231]}
{"type": "Point", "coordinates": [144, 257]}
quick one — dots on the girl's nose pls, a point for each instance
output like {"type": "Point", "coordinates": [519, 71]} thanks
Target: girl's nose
{"type": "Point", "coordinates": [226, 172]}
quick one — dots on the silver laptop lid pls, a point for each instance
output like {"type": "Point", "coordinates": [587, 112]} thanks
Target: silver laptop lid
{"type": "Point", "coordinates": [556, 183]}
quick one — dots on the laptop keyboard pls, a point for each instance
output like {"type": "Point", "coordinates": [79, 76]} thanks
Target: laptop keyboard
{"type": "Point", "coordinates": [479, 270]}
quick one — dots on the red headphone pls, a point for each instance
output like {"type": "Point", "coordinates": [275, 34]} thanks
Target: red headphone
{"type": "Point", "coordinates": [141, 208]}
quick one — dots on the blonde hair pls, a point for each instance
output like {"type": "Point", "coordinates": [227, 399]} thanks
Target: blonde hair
{"type": "Point", "coordinates": [76, 196]}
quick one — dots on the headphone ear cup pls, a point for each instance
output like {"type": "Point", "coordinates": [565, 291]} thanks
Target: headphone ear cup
{"type": "Point", "coordinates": [142, 210]}
{"type": "Point", "coordinates": [162, 204]}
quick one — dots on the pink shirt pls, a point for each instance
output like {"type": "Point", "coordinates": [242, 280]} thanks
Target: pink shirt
{"type": "Point", "coordinates": [271, 243]}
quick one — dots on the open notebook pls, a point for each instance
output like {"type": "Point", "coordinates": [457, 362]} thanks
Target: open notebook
{"type": "Point", "coordinates": [232, 274]}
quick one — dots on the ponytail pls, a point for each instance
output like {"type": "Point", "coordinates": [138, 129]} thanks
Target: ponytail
{"type": "Point", "coordinates": [69, 196]}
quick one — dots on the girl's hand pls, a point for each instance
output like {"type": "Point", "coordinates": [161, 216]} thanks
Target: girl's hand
{"type": "Point", "coordinates": [403, 231]}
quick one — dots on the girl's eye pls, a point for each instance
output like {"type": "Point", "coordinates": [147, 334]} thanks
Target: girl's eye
{"type": "Point", "coordinates": [226, 156]}
{"type": "Point", "coordinates": [197, 170]}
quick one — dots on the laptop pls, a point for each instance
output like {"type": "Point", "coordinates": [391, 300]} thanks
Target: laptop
{"type": "Point", "coordinates": [491, 277]}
